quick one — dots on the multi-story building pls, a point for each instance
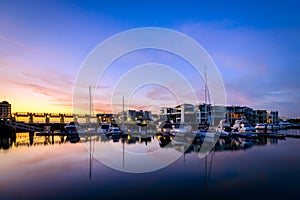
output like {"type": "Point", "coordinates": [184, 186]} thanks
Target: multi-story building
{"type": "Point", "coordinates": [167, 113]}
{"type": "Point", "coordinates": [203, 113]}
{"type": "Point", "coordinates": [239, 112]}
{"type": "Point", "coordinates": [260, 116]}
{"type": "Point", "coordinates": [184, 113]}
{"type": "Point", "coordinates": [104, 118]}
{"type": "Point", "coordinates": [134, 115]}
{"type": "Point", "coordinates": [272, 117]}
{"type": "Point", "coordinates": [213, 114]}
{"type": "Point", "coordinates": [194, 114]}
{"type": "Point", "coordinates": [218, 113]}
{"type": "Point", "coordinates": [147, 115]}
{"type": "Point", "coordinates": [5, 110]}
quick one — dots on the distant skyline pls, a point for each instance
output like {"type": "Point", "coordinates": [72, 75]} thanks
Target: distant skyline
{"type": "Point", "coordinates": [256, 46]}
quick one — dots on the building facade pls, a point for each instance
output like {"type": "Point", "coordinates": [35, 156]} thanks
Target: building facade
{"type": "Point", "coordinates": [184, 113]}
{"type": "Point", "coordinates": [260, 116]}
{"type": "Point", "coordinates": [134, 115]}
{"type": "Point", "coordinates": [5, 110]}
{"type": "Point", "coordinates": [234, 113]}
{"type": "Point", "coordinates": [213, 114]}
{"type": "Point", "coordinates": [272, 117]}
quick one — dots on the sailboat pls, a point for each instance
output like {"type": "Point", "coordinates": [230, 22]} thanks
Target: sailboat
{"type": "Point", "coordinates": [203, 128]}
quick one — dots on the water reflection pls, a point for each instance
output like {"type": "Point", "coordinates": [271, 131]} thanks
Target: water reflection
{"type": "Point", "coordinates": [11, 140]}
{"type": "Point", "coordinates": [180, 143]}
{"type": "Point", "coordinates": [228, 171]}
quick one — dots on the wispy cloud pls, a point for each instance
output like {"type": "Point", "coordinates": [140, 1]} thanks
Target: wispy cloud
{"type": "Point", "coordinates": [160, 93]}
{"type": "Point", "coordinates": [19, 44]}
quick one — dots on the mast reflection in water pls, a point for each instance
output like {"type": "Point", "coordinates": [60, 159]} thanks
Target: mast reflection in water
{"type": "Point", "coordinates": [38, 167]}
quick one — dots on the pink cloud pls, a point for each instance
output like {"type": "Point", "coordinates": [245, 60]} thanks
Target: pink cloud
{"type": "Point", "coordinates": [160, 94]}
{"type": "Point", "coordinates": [18, 44]}
{"type": "Point", "coordinates": [236, 97]}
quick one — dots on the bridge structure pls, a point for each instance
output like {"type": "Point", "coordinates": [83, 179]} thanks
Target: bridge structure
{"type": "Point", "coordinates": [63, 118]}
{"type": "Point", "coordinates": [44, 122]}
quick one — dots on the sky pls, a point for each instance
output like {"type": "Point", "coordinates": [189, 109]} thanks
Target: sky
{"type": "Point", "coordinates": [254, 44]}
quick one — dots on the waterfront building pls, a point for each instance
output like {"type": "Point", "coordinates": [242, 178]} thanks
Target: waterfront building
{"type": "Point", "coordinates": [5, 110]}
{"type": "Point", "coordinates": [104, 118]}
{"type": "Point", "coordinates": [218, 113]}
{"type": "Point", "coordinates": [210, 114]}
{"type": "Point", "coordinates": [147, 115]}
{"type": "Point", "coordinates": [167, 113]}
{"type": "Point", "coordinates": [203, 115]}
{"type": "Point", "coordinates": [183, 113]}
{"type": "Point", "coordinates": [272, 117]}
{"type": "Point", "coordinates": [134, 115]}
{"type": "Point", "coordinates": [260, 116]}
{"type": "Point", "coordinates": [234, 113]}
{"type": "Point", "coordinates": [194, 114]}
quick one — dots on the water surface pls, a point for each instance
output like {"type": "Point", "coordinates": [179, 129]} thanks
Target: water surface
{"type": "Point", "coordinates": [245, 169]}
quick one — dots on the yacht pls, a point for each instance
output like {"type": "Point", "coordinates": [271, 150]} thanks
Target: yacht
{"type": "Point", "coordinates": [71, 128]}
{"type": "Point", "coordinates": [72, 133]}
{"type": "Point", "coordinates": [180, 129]}
{"type": "Point", "coordinates": [260, 126]}
{"type": "Point", "coordinates": [273, 127]}
{"type": "Point", "coordinates": [115, 131]}
{"type": "Point", "coordinates": [104, 128]}
{"type": "Point", "coordinates": [224, 127]}
{"type": "Point", "coordinates": [242, 126]}
{"type": "Point", "coordinates": [285, 124]}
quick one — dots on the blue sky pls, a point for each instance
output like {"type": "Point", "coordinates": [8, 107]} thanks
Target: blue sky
{"type": "Point", "coordinates": [255, 44]}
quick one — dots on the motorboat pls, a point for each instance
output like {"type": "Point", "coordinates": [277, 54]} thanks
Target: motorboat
{"type": "Point", "coordinates": [180, 129]}
{"type": "Point", "coordinates": [224, 127]}
{"type": "Point", "coordinates": [166, 128]}
{"type": "Point", "coordinates": [205, 134]}
{"type": "Point", "coordinates": [71, 129]}
{"type": "Point", "coordinates": [246, 127]}
{"type": "Point", "coordinates": [285, 125]}
{"type": "Point", "coordinates": [260, 126]}
{"type": "Point", "coordinates": [242, 126]}
{"type": "Point", "coordinates": [104, 128]}
{"type": "Point", "coordinates": [115, 131]}
{"type": "Point", "coordinates": [72, 133]}
{"type": "Point", "coordinates": [273, 126]}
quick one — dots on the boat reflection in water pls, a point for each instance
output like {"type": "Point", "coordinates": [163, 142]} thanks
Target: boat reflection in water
{"type": "Point", "coordinates": [231, 167]}
{"type": "Point", "coordinates": [187, 141]}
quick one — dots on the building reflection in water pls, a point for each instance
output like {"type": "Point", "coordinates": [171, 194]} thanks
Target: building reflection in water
{"type": "Point", "coordinates": [11, 140]}
{"type": "Point", "coordinates": [14, 140]}
{"type": "Point", "coordinates": [185, 144]}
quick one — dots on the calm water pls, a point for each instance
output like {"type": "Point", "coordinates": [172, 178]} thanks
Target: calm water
{"type": "Point", "coordinates": [244, 169]}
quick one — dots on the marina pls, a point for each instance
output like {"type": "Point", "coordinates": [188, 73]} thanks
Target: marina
{"type": "Point", "coordinates": [155, 100]}
{"type": "Point", "coordinates": [36, 167]}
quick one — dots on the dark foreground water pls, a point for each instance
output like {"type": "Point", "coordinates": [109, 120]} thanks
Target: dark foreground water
{"type": "Point", "coordinates": [244, 169]}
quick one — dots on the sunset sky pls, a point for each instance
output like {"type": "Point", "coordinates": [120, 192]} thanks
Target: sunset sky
{"type": "Point", "coordinates": [255, 45]}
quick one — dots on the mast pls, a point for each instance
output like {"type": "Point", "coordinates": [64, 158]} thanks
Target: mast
{"type": "Point", "coordinates": [90, 175]}
{"type": "Point", "coordinates": [90, 101]}
{"type": "Point", "coordinates": [205, 95]}
{"type": "Point", "coordinates": [123, 112]}
{"type": "Point", "coordinates": [205, 89]}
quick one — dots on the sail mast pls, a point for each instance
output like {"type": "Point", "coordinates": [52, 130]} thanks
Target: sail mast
{"type": "Point", "coordinates": [205, 89]}
{"type": "Point", "coordinates": [90, 175]}
{"type": "Point", "coordinates": [123, 113]}
{"type": "Point", "coordinates": [90, 101]}
{"type": "Point", "coordinates": [205, 96]}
